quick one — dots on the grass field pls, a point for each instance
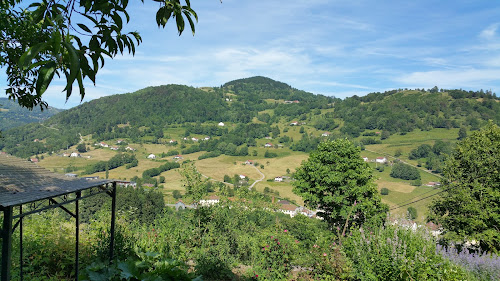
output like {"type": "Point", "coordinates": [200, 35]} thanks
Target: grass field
{"type": "Point", "coordinates": [400, 190]}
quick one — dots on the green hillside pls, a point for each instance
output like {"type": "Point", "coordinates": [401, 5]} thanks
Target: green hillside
{"type": "Point", "coordinates": [265, 121]}
{"type": "Point", "coordinates": [12, 115]}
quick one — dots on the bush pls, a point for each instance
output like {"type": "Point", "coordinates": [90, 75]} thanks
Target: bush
{"type": "Point", "coordinates": [406, 172]}
{"type": "Point", "coordinates": [416, 182]}
{"type": "Point", "coordinates": [143, 266]}
{"type": "Point", "coordinates": [412, 213]}
{"type": "Point", "coordinates": [269, 154]}
{"type": "Point", "coordinates": [384, 191]}
{"type": "Point", "coordinates": [482, 265]}
{"type": "Point", "coordinates": [275, 259]}
{"type": "Point", "coordinates": [399, 253]}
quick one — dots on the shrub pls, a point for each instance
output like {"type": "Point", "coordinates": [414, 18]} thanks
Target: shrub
{"type": "Point", "coordinates": [482, 265]}
{"type": "Point", "coordinates": [412, 213]}
{"type": "Point", "coordinates": [275, 258]}
{"type": "Point", "coordinates": [399, 253]}
{"type": "Point", "coordinates": [406, 172]}
{"type": "Point", "coordinates": [384, 191]}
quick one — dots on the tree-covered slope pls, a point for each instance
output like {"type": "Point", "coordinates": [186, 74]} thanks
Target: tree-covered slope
{"type": "Point", "coordinates": [403, 111]}
{"type": "Point", "coordinates": [150, 110]}
{"type": "Point", "coordinates": [12, 115]}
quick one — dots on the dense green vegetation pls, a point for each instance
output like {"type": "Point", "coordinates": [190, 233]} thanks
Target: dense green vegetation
{"type": "Point", "coordinates": [336, 180]}
{"type": "Point", "coordinates": [228, 242]}
{"type": "Point", "coordinates": [473, 183]}
{"type": "Point", "coordinates": [399, 111]}
{"type": "Point", "coordinates": [145, 115]}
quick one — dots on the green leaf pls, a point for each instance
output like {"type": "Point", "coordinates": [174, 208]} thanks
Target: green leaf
{"type": "Point", "coordinates": [180, 22]}
{"type": "Point", "coordinates": [45, 76]}
{"type": "Point", "coordinates": [118, 20]}
{"type": "Point", "coordinates": [74, 63]}
{"type": "Point", "coordinates": [191, 23]}
{"type": "Point", "coordinates": [32, 52]}
{"type": "Point", "coordinates": [80, 85]}
{"type": "Point", "coordinates": [84, 27]}
{"type": "Point", "coordinates": [56, 43]}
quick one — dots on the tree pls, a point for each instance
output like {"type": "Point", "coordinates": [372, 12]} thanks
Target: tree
{"type": "Point", "coordinates": [193, 183]}
{"type": "Point", "coordinates": [43, 40]}
{"type": "Point", "coordinates": [469, 206]}
{"type": "Point", "coordinates": [406, 172]}
{"type": "Point", "coordinates": [337, 181]}
{"type": "Point", "coordinates": [176, 194]}
{"type": "Point", "coordinates": [412, 213]}
{"type": "Point", "coordinates": [81, 148]}
{"type": "Point", "coordinates": [462, 133]}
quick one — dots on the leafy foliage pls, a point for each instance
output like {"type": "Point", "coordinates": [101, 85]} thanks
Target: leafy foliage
{"type": "Point", "coordinates": [469, 206]}
{"type": "Point", "coordinates": [404, 171]}
{"type": "Point", "coordinates": [398, 253]}
{"type": "Point", "coordinates": [115, 162]}
{"type": "Point", "coordinates": [43, 40]}
{"type": "Point", "coordinates": [333, 179]}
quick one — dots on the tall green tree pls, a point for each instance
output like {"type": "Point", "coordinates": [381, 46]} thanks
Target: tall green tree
{"type": "Point", "coordinates": [337, 181]}
{"type": "Point", "coordinates": [195, 186]}
{"type": "Point", "coordinates": [469, 207]}
{"type": "Point", "coordinates": [41, 39]}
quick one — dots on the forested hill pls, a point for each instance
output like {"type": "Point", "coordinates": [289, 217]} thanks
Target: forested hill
{"type": "Point", "coordinates": [149, 110]}
{"type": "Point", "coordinates": [402, 111]}
{"type": "Point", "coordinates": [176, 104]}
{"type": "Point", "coordinates": [12, 115]}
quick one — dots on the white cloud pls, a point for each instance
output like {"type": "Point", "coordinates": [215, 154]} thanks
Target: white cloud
{"type": "Point", "coordinates": [489, 33]}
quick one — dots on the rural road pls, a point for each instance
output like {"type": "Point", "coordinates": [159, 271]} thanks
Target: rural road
{"type": "Point", "coordinates": [263, 176]}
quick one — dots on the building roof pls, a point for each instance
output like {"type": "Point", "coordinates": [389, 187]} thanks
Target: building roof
{"type": "Point", "coordinates": [23, 182]}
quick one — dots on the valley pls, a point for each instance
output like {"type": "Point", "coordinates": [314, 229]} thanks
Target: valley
{"type": "Point", "coordinates": [262, 120]}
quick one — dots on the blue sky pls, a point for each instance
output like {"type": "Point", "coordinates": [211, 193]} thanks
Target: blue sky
{"type": "Point", "coordinates": [335, 48]}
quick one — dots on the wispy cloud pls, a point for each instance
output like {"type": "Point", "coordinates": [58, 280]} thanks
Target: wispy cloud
{"type": "Point", "coordinates": [489, 33]}
{"type": "Point", "coordinates": [467, 78]}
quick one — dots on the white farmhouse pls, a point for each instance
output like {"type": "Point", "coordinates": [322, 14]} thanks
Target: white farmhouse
{"type": "Point", "coordinates": [151, 156]}
{"type": "Point", "coordinates": [381, 160]}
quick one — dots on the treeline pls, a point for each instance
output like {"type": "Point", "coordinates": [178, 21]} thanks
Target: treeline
{"type": "Point", "coordinates": [404, 111]}
{"type": "Point", "coordinates": [434, 156]}
{"type": "Point", "coordinates": [116, 161]}
{"type": "Point", "coordinates": [149, 173]}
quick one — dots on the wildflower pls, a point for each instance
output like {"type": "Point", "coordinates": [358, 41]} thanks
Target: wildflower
{"type": "Point", "coordinates": [278, 242]}
{"type": "Point", "coordinates": [285, 230]}
{"type": "Point", "coordinates": [297, 241]}
{"type": "Point", "coordinates": [324, 254]}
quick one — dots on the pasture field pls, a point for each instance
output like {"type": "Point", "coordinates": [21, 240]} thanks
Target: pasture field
{"type": "Point", "coordinates": [400, 191]}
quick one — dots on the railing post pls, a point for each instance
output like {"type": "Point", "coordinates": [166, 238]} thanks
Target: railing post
{"type": "Point", "coordinates": [113, 217]}
{"type": "Point", "coordinates": [77, 234]}
{"type": "Point", "coordinates": [6, 243]}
